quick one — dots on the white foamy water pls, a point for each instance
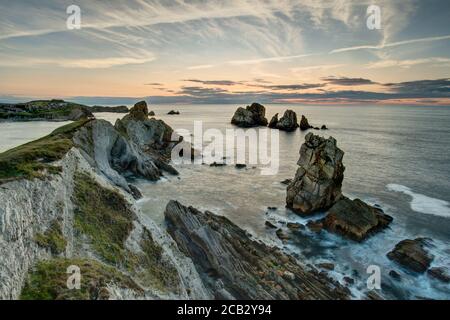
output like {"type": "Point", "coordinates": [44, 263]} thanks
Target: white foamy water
{"type": "Point", "coordinates": [423, 203]}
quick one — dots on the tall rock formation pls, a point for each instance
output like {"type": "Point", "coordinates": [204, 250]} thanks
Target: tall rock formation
{"type": "Point", "coordinates": [252, 116]}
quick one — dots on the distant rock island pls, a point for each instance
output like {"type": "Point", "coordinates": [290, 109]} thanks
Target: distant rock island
{"type": "Point", "coordinates": [48, 110]}
{"type": "Point", "coordinates": [118, 109]}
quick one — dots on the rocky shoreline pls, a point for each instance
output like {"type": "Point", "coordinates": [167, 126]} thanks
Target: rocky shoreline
{"type": "Point", "coordinates": [69, 199]}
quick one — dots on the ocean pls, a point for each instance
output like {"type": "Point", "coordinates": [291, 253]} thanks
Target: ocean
{"type": "Point", "coordinates": [395, 156]}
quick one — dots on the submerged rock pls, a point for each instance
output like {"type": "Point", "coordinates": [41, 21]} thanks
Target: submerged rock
{"type": "Point", "coordinates": [412, 254]}
{"type": "Point", "coordinates": [270, 225]}
{"type": "Point", "coordinates": [235, 266]}
{"type": "Point", "coordinates": [288, 122]}
{"type": "Point", "coordinates": [173, 112]}
{"type": "Point", "coordinates": [355, 219]}
{"type": "Point", "coordinates": [317, 183]}
{"type": "Point", "coordinates": [251, 116]}
{"type": "Point", "coordinates": [304, 124]}
{"type": "Point", "coordinates": [439, 273]}
{"type": "Point", "coordinates": [324, 127]}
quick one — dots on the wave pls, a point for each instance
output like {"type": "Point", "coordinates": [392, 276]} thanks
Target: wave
{"type": "Point", "coordinates": [422, 203]}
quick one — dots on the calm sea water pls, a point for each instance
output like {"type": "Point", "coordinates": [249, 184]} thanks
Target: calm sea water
{"type": "Point", "coordinates": [395, 156]}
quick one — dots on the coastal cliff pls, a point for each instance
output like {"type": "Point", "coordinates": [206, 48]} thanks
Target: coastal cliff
{"type": "Point", "coordinates": [66, 201]}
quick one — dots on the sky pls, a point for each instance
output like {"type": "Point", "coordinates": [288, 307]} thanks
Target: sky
{"type": "Point", "coordinates": [219, 51]}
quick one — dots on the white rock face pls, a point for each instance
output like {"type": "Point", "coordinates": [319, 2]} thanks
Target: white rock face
{"type": "Point", "coordinates": [29, 207]}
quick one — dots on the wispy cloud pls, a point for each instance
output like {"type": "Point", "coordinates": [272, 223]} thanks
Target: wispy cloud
{"type": "Point", "coordinates": [344, 81]}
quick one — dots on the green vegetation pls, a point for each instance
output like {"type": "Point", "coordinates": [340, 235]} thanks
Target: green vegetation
{"type": "Point", "coordinates": [105, 216]}
{"type": "Point", "coordinates": [32, 159]}
{"type": "Point", "coordinates": [46, 109]}
{"type": "Point", "coordinates": [48, 280]}
{"type": "Point", "coordinates": [52, 238]}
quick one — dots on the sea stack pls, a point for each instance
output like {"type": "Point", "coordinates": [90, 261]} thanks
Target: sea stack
{"type": "Point", "coordinates": [318, 181]}
{"type": "Point", "coordinates": [288, 121]}
{"type": "Point", "coordinates": [252, 116]}
{"type": "Point", "coordinates": [304, 124]}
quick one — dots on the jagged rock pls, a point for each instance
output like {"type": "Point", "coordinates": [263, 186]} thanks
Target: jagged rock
{"type": "Point", "coordinates": [139, 110]}
{"type": "Point", "coordinates": [395, 275]}
{"type": "Point", "coordinates": [294, 226]}
{"type": "Point", "coordinates": [317, 183]}
{"type": "Point", "coordinates": [270, 225]}
{"type": "Point", "coordinates": [173, 112]}
{"type": "Point", "coordinates": [240, 267]}
{"type": "Point", "coordinates": [282, 235]}
{"type": "Point", "coordinates": [273, 122]}
{"type": "Point", "coordinates": [251, 116]}
{"type": "Point", "coordinates": [412, 254]}
{"type": "Point", "coordinates": [355, 219]}
{"type": "Point", "coordinates": [326, 265]}
{"type": "Point", "coordinates": [135, 192]}
{"type": "Point", "coordinates": [304, 124]}
{"type": "Point", "coordinates": [315, 226]}
{"type": "Point", "coordinates": [288, 122]}
{"type": "Point", "coordinates": [440, 274]}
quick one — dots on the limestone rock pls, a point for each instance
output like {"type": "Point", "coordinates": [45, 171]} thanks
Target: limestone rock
{"type": "Point", "coordinates": [235, 266]}
{"type": "Point", "coordinates": [304, 124]}
{"type": "Point", "coordinates": [355, 219]}
{"type": "Point", "coordinates": [288, 121]}
{"type": "Point", "coordinates": [251, 116]}
{"type": "Point", "coordinates": [412, 254]}
{"type": "Point", "coordinates": [317, 183]}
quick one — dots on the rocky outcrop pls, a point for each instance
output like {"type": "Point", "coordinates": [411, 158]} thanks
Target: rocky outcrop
{"type": "Point", "coordinates": [288, 121]}
{"type": "Point", "coordinates": [355, 219]}
{"type": "Point", "coordinates": [75, 209]}
{"type": "Point", "coordinates": [273, 122]}
{"type": "Point", "coordinates": [412, 254]}
{"type": "Point", "coordinates": [48, 110]}
{"type": "Point", "coordinates": [317, 183]}
{"type": "Point", "coordinates": [118, 109]}
{"type": "Point", "coordinates": [236, 267]}
{"type": "Point", "coordinates": [304, 124]}
{"type": "Point", "coordinates": [173, 112]}
{"type": "Point", "coordinates": [251, 116]}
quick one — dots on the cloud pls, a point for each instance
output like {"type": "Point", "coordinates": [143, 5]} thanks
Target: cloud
{"type": "Point", "coordinates": [153, 84]}
{"type": "Point", "coordinates": [407, 63]}
{"type": "Point", "coordinates": [202, 66]}
{"type": "Point", "coordinates": [344, 81]}
{"type": "Point", "coordinates": [422, 88]}
{"type": "Point", "coordinates": [392, 44]}
{"type": "Point", "coordinates": [214, 82]}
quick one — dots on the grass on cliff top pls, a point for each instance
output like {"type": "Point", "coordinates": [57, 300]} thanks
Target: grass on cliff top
{"type": "Point", "coordinates": [48, 280]}
{"type": "Point", "coordinates": [106, 218]}
{"type": "Point", "coordinates": [32, 159]}
{"type": "Point", "coordinates": [52, 238]}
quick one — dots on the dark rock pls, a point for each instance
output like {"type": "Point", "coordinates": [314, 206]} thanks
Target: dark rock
{"type": "Point", "coordinates": [326, 265]}
{"type": "Point", "coordinates": [270, 225]}
{"type": "Point", "coordinates": [316, 128]}
{"type": "Point", "coordinates": [373, 295]}
{"type": "Point", "coordinates": [151, 114]}
{"type": "Point", "coordinates": [273, 122]}
{"type": "Point", "coordinates": [272, 208]}
{"type": "Point", "coordinates": [251, 116]}
{"type": "Point", "coordinates": [295, 226]}
{"type": "Point", "coordinates": [395, 275]}
{"type": "Point", "coordinates": [173, 112]}
{"type": "Point", "coordinates": [135, 192]}
{"type": "Point", "coordinates": [240, 165]}
{"type": "Point", "coordinates": [304, 124]}
{"type": "Point", "coordinates": [324, 127]}
{"type": "Point", "coordinates": [412, 254]}
{"type": "Point", "coordinates": [315, 226]}
{"type": "Point", "coordinates": [286, 181]}
{"type": "Point", "coordinates": [139, 110]}
{"type": "Point", "coordinates": [439, 273]}
{"type": "Point", "coordinates": [243, 268]}
{"type": "Point", "coordinates": [317, 183]}
{"type": "Point", "coordinates": [282, 235]}
{"type": "Point", "coordinates": [355, 219]}
{"type": "Point", "coordinates": [217, 164]}
{"type": "Point", "coordinates": [349, 280]}
{"type": "Point", "coordinates": [288, 122]}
